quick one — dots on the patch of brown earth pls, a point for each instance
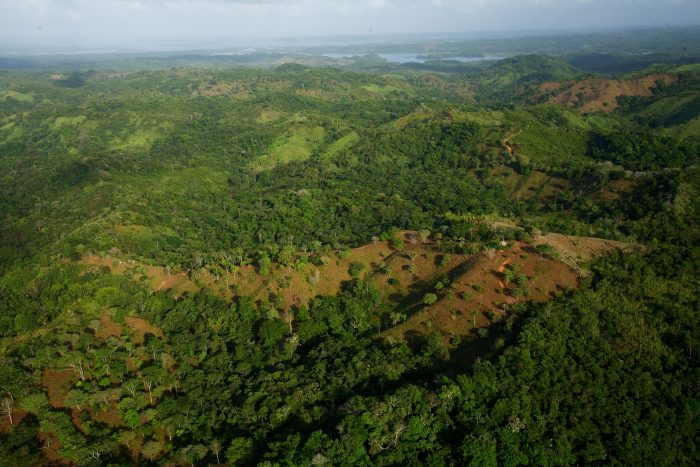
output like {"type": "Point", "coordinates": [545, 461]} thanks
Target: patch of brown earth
{"type": "Point", "coordinates": [58, 383]}
{"type": "Point", "coordinates": [600, 94]}
{"type": "Point", "coordinates": [403, 273]}
{"type": "Point", "coordinates": [399, 275]}
{"type": "Point", "coordinates": [576, 250]}
{"type": "Point", "coordinates": [140, 328]}
{"type": "Point", "coordinates": [304, 285]}
{"type": "Point", "coordinates": [313, 280]}
{"type": "Point", "coordinates": [159, 277]}
{"type": "Point", "coordinates": [109, 417]}
{"type": "Point", "coordinates": [17, 417]}
{"type": "Point", "coordinates": [481, 291]}
{"type": "Point", "coordinates": [162, 280]}
{"type": "Point", "coordinates": [108, 328]}
{"type": "Point", "coordinates": [51, 447]}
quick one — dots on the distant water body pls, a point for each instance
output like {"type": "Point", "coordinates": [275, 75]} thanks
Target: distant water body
{"type": "Point", "coordinates": [412, 58]}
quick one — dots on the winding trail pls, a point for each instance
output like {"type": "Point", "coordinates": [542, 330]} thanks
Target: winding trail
{"type": "Point", "coordinates": [508, 144]}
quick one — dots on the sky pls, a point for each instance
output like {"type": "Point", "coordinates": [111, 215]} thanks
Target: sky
{"type": "Point", "coordinates": [138, 23]}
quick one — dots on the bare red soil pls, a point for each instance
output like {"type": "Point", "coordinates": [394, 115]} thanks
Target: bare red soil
{"type": "Point", "coordinates": [600, 94]}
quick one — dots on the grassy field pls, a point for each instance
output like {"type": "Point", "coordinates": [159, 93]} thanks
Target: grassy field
{"type": "Point", "coordinates": [296, 146]}
{"type": "Point", "coordinates": [342, 144]}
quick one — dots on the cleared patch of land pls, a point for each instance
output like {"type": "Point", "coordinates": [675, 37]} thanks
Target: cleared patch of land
{"type": "Point", "coordinates": [480, 289]}
{"type": "Point", "coordinates": [342, 144]}
{"type": "Point", "coordinates": [296, 146]}
{"type": "Point", "coordinates": [58, 382]}
{"type": "Point", "coordinates": [576, 250]}
{"type": "Point", "coordinates": [269, 116]}
{"type": "Point", "coordinates": [140, 327]}
{"type": "Point", "coordinates": [60, 122]}
{"type": "Point", "coordinates": [600, 94]}
{"type": "Point", "coordinates": [464, 284]}
{"type": "Point", "coordinates": [17, 416]}
{"type": "Point", "coordinates": [159, 278]}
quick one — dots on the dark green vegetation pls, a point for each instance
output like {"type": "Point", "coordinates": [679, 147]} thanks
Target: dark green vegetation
{"type": "Point", "coordinates": [206, 172]}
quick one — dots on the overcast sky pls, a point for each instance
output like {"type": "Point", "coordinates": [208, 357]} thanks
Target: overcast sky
{"type": "Point", "coordinates": [129, 23]}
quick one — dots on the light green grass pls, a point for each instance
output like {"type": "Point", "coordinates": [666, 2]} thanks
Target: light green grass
{"type": "Point", "coordinates": [269, 116]}
{"type": "Point", "coordinates": [13, 132]}
{"type": "Point", "coordinates": [297, 146]}
{"type": "Point", "coordinates": [417, 116]}
{"type": "Point", "coordinates": [690, 128]}
{"type": "Point", "coordinates": [693, 67]}
{"type": "Point", "coordinates": [484, 118]}
{"type": "Point", "coordinates": [140, 139]}
{"type": "Point", "coordinates": [17, 96]}
{"type": "Point", "coordinates": [65, 121]}
{"type": "Point", "coordinates": [342, 144]}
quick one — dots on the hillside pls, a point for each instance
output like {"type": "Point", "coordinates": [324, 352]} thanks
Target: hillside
{"type": "Point", "coordinates": [601, 95]}
{"type": "Point", "coordinates": [506, 78]}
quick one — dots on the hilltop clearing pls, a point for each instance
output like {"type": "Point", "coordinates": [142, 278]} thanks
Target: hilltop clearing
{"type": "Point", "coordinates": [600, 94]}
{"type": "Point", "coordinates": [482, 288]}
{"type": "Point", "coordinates": [402, 271]}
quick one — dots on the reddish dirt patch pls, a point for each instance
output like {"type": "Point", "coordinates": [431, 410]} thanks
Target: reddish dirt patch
{"type": "Point", "coordinates": [58, 383]}
{"type": "Point", "coordinates": [411, 269]}
{"type": "Point", "coordinates": [75, 418]}
{"type": "Point", "coordinates": [455, 315]}
{"type": "Point", "coordinates": [511, 148]}
{"type": "Point", "coordinates": [51, 447]}
{"type": "Point", "coordinates": [161, 280]}
{"type": "Point", "coordinates": [140, 328]}
{"type": "Point", "coordinates": [538, 185]}
{"type": "Point", "coordinates": [109, 417]}
{"type": "Point", "coordinates": [108, 328]}
{"type": "Point", "coordinates": [159, 277]}
{"type": "Point", "coordinates": [599, 94]}
{"type": "Point", "coordinates": [401, 276]}
{"type": "Point", "coordinates": [313, 280]}
{"type": "Point", "coordinates": [303, 285]}
{"type": "Point", "coordinates": [17, 417]}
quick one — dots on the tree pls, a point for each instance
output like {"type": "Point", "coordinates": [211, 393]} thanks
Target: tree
{"type": "Point", "coordinates": [151, 450]}
{"type": "Point", "coordinates": [264, 264]}
{"type": "Point", "coordinates": [355, 269]}
{"type": "Point", "coordinates": [429, 299]}
{"type": "Point", "coordinates": [239, 451]}
{"type": "Point", "coordinates": [216, 449]}
{"type": "Point", "coordinates": [8, 404]}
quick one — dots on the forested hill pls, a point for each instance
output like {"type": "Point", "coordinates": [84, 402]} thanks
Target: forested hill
{"type": "Point", "coordinates": [311, 265]}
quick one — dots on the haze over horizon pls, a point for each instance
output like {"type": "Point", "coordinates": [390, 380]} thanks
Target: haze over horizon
{"type": "Point", "coordinates": [152, 23]}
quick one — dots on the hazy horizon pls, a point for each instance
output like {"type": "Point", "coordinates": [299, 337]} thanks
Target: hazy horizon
{"type": "Point", "coordinates": [170, 24]}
